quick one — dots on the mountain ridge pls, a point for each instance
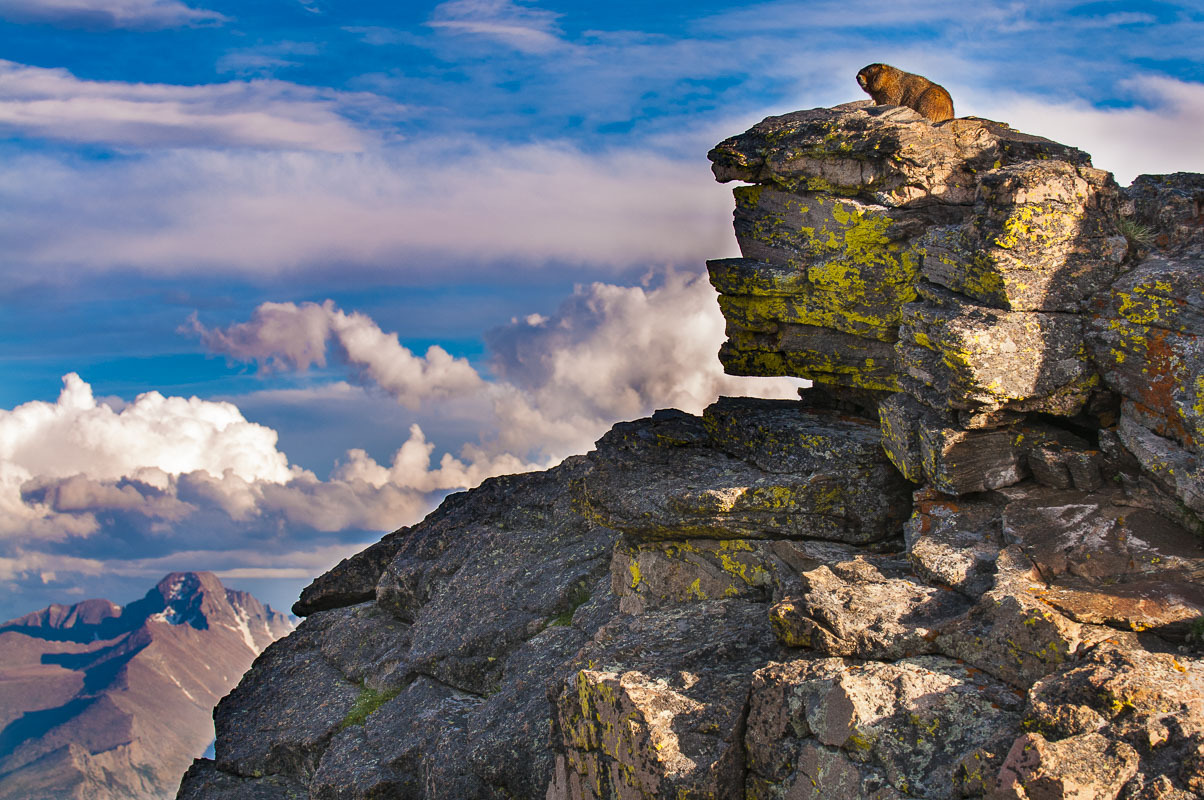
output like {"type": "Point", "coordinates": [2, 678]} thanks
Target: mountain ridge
{"type": "Point", "coordinates": [104, 701]}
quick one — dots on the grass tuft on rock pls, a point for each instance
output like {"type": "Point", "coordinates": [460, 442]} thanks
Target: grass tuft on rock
{"type": "Point", "coordinates": [1134, 231]}
{"type": "Point", "coordinates": [368, 701]}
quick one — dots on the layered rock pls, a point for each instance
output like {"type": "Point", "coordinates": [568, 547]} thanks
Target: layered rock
{"type": "Point", "coordinates": [966, 563]}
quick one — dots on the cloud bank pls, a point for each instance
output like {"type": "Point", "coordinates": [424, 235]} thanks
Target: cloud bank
{"type": "Point", "coordinates": [107, 14]}
{"type": "Point", "coordinates": [449, 209]}
{"type": "Point", "coordinates": [1159, 135]}
{"type": "Point", "coordinates": [266, 114]}
{"type": "Point", "coordinates": [134, 485]}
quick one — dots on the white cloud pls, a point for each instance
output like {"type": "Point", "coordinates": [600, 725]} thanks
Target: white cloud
{"type": "Point", "coordinates": [530, 30]}
{"type": "Point", "coordinates": [281, 335]}
{"type": "Point", "coordinates": [45, 567]}
{"type": "Point", "coordinates": [72, 467]}
{"type": "Point", "coordinates": [77, 436]}
{"type": "Point", "coordinates": [265, 59]}
{"type": "Point", "coordinates": [609, 353]}
{"type": "Point", "coordinates": [1161, 134]}
{"type": "Point", "coordinates": [105, 14]}
{"type": "Point", "coordinates": [451, 209]}
{"type": "Point", "coordinates": [61, 463]}
{"type": "Point", "coordinates": [55, 104]}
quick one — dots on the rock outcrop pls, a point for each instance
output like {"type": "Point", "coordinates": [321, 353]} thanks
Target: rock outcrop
{"type": "Point", "coordinates": [101, 702]}
{"type": "Point", "coordinates": [966, 563]}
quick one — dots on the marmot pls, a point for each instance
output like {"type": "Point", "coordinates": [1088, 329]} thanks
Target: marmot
{"type": "Point", "coordinates": [886, 85]}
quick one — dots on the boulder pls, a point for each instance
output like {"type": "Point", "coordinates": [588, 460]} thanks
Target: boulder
{"type": "Point", "coordinates": [655, 487]}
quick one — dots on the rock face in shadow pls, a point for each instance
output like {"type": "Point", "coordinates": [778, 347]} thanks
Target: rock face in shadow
{"type": "Point", "coordinates": [101, 702]}
{"type": "Point", "coordinates": [967, 562]}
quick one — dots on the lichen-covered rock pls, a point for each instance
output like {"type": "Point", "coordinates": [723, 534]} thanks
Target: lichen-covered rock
{"type": "Point", "coordinates": [782, 436]}
{"type": "Point", "coordinates": [863, 608]}
{"type": "Point", "coordinates": [955, 543]}
{"type": "Point", "coordinates": [648, 575]}
{"type": "Point", "coordinates": [1145, 334]}
{"type": "Point", "coordinates": [1085, 767]}
{"type": "Point", "coordinates": [1042, 238]}
{"type": "Point", "coordinates": [853, 263]}
{"type": "Point", "coordinates": [985, 357]}
{"type": "Point", "coordinates": [1011, 633]}
{"type": "Point", "coordinates": [823, 355]}
{"type": "Point", "coordinates": [889, 154]}
{"type": "Point", "coordinates": [1108, 564]}
{"type": "Point", "coordinates": [1146, 337]}
{"type": "Point", "coordinates": [866, 727]}
{"type": "Point", "coordinates": [657, 708]}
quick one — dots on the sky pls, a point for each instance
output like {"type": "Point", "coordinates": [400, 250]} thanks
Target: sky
{"type": "Point", "coordinates": [276, 277]}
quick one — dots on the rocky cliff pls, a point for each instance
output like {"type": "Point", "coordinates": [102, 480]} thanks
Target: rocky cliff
{"type": "Point", "coordinates": [101, 702]}
{"type": "Point", "coordinates": [966, 563]}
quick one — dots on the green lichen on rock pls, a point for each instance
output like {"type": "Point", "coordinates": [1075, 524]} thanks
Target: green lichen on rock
{"type": "Point", "coordinates": [848, 269]}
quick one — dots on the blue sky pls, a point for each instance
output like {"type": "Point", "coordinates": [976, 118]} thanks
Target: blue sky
{"type": "Point", "coordinates": [310, 265]}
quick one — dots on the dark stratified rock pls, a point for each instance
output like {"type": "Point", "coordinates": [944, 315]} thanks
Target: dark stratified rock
{"type": "Point", "coordinates": [101, 702]}
{"type": "Point", "coordinates": [204, 780]}
{"type": "Point", "coordinates": [1168, 212]}
{"type": "Point", "coordinates": [438, 687]}
{"type": "Point", "coordinates": [768, 471]}
{"type": "Point", "coordinates": [352, 580]}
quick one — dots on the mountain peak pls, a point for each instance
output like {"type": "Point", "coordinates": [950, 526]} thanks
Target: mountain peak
{"type": "Point", "coordinates": [97, 700]}
{"type": "Point", "coordinates": [189, 598]}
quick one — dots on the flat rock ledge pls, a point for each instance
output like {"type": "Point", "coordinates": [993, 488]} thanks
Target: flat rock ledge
{"type": "Point", "coordinates": [967, 562]}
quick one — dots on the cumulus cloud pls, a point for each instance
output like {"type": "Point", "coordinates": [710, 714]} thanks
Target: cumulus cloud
{"type": "Point", "coordinates": [610, 352]}
{"type": "Point", "coordinates": [72, 467]}
{"type": "Point", "coordinates": [55, 104]}
{"type": "Point", "coordinates": [451, 209]}
{"type": "Point", "coordinates": [62, 462]}
{"type": "Point", "coordinates": [283, 335]}
{"type": "Point", "coordinates": [106, 14]}
{"type": "Point", "coordinates": [525, 28]}
{"type": "Point", "coordinates": [1157, 135]}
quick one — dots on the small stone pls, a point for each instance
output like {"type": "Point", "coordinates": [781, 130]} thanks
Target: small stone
{"type": "Point", "coordinates": [1049, 467]}
{"type": "Point", "coordinates": [955, 542]}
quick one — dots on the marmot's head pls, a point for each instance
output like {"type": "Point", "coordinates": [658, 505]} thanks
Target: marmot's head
{"type": "Point", "coordinates": [867, 78]}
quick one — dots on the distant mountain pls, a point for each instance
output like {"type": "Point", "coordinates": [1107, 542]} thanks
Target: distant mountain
{"type": "Point", "coordinates": [100, 702]}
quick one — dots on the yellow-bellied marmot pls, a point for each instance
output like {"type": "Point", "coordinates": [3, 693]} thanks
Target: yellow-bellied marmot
{"type": "Point", "coordinates": [886, 84]}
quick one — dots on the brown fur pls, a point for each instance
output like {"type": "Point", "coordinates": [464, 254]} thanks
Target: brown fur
{"type": "Point", "coordinates": [888, 85]}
